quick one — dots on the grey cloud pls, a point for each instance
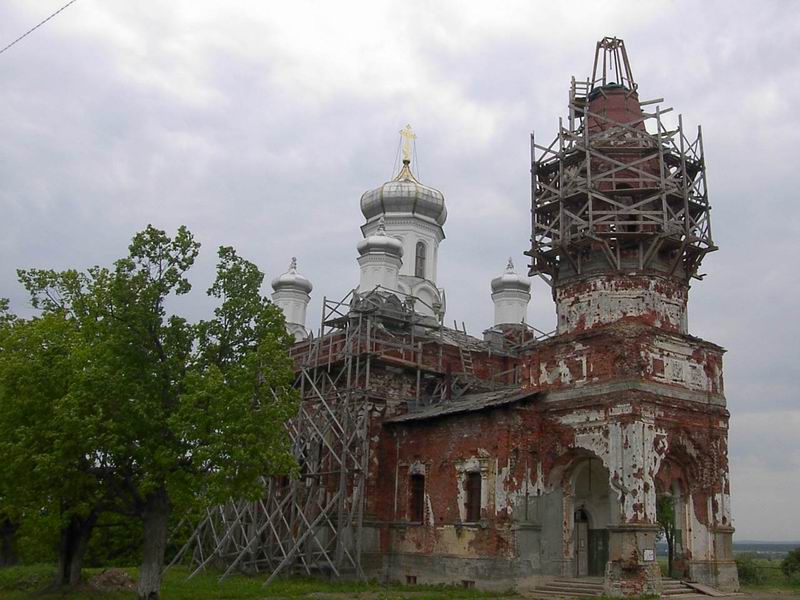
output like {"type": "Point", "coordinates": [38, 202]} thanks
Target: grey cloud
{"type": "Point", "coordinates": [155, 114]}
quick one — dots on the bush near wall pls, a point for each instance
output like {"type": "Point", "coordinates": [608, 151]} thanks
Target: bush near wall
{"type": "Point", "coordinates": [750, 572]}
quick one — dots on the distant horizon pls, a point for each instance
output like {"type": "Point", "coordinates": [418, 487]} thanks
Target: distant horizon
{"type": "Point", "coordinates": [735, 541]}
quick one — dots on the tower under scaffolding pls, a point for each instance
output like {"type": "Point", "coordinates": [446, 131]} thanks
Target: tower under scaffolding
{"type": "Point", "coordinates": [312, 524]}
{"type": "Point", "coordinates": [618, 187]}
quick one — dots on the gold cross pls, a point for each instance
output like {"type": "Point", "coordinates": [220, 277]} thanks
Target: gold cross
{"type": "Point", "coordinates": [408, 136]}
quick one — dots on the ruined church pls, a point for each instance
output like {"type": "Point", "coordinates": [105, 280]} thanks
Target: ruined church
{"type": "Point", "coordinates": [517, 459]}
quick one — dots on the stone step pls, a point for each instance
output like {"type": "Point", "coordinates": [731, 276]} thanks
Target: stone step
{"type": "Point", "coordinates": [539, 594]}
{"type": "Point", "coordinates": [565, 587]}
{"type": "Point", "coordinates": [577, 583]}
{"type": "Point", "coordinates": [569, 592]}
{"type": "Point", "coordinates": [558, 585]}
{"type": "Point", "coordinates": [677, 589]}
{"type": "Point", "coordinates": [672, 586]}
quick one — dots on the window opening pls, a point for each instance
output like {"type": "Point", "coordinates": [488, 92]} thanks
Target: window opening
{"type": "Point", "coordinates": [473, 497]}
{"type": "Point", "coordinates": [416, 507]}
{"type": "Point", "coordinates": [419, 269]}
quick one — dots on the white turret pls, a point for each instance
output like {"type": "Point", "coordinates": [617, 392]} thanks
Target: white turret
{"type": "Point", "coordinates": [414, 214]}
{"type": "Point", "coordinates": [380, 259]}
{"type": "Point", "coordinates": [510, 294]}
{"type": "Point", "coordinates": [292, 295]}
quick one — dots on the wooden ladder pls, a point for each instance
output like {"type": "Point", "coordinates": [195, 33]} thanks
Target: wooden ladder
{"type": "Point", "coordinates": [466, 361]}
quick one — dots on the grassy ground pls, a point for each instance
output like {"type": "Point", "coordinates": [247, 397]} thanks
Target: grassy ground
{"type": "Point", "coordinates": [28, 582]}
{"type": "Point", "coordinates": [19, 583]}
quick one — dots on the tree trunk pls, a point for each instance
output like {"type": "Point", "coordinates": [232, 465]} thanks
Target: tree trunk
{"type": "Point", "coordinates": [670, 552]}
{"type": "Point", "coordinates": [154, 517]}
{"type": "Point", "coordinates": [72, 546]}
{"type": "Point", "coordinates": [8, 542]}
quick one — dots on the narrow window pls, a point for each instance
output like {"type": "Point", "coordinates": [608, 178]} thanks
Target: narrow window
{"type": "Point", "coordinates": [473, 497]}
{"type": "Point", "coordinates": [419, 269]}
{"type": "Point", "coordinates": [416, 508]}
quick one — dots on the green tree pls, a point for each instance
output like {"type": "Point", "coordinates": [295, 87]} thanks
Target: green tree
{"type": "Point", "coordinates": [47, 435]}
{"type": "Point", "coordinates": [790, 565]}
{"type": "Point", "coordinates": [665, 515]}
{"type": "Point", "coordinates": [8, 523]}
{"type": "Point", "coordinates": [181, 414]}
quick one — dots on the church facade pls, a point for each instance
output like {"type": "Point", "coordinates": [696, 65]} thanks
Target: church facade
{"type": "Point", "coordinates": [517, 458]}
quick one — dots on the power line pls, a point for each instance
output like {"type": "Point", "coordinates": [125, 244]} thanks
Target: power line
{"type": "Point", "coordinates": [32, 29]}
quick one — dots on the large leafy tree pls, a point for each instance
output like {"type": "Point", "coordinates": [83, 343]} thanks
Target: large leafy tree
{"type": "Point", "coordinates": [9, 522]}
{"type": "Point", "coordinates": [181, 414]}
{"type": "Point", "coordinates": [47, 435]}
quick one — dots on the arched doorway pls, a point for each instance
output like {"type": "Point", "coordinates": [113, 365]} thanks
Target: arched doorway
{"type": "Point", "coordinates": [591, 517]}
{"type": "Point", "coordinates": [673, 496]}
{"type": "Point", "coordinates": [671, 516]}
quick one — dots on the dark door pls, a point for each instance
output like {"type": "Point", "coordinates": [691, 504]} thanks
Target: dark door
{"type": "Point", "coordinates": [581, 544]}
{"type": "Point", "coordinates": [598, 551]}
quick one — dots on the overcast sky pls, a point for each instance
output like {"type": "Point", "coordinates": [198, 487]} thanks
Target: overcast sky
{"type": "Point", "coordinates": [259, 125]}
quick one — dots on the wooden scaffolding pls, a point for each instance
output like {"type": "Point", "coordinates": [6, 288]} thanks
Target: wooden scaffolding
{"type": "Point", "coordinates": [633, 188]}
{"type": "Point", "coordinates": [312, 524]}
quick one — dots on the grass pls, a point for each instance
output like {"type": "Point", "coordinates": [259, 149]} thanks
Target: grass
{"type": "Point", "coordinates": [28, 582]}
{"type": "Point", "coordinates": [18, 583]}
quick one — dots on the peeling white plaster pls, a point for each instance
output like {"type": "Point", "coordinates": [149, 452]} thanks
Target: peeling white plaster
{"type": "Point", "coordinates": [606, 301]}
{"type": "Point", "coordinates": [678, 366]}
{"type": "Point", "coordinates": [428, 517]}
{"type": "Point", "coordinates": [628, 452]}
{"type": "Point", "coordinates": [503, 497]}
{"type": "Point", "coordinates": [475, 464]}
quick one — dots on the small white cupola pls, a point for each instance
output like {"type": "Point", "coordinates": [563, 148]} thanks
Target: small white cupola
{"type": "Point", "coordinates": [292, 295]}
{"type": "Point", "coordinates": [380, 259]}
{"type": "Point", "coordinates": [511, 294]}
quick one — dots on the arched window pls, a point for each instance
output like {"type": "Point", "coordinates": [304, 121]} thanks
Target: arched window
{"type": "Point", "coordinates": [419, 267]}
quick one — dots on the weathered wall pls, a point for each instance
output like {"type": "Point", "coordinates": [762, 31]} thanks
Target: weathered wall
{"type": "Point", "coordinates": [528, 454]}
{"type": "Point", "coordinates": [624, 352]}
{"type": "Point", "coordinates": [625, 399]}
{"type": "Point", "coordinates": [602, 299]}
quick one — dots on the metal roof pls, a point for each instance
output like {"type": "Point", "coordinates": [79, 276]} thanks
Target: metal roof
{"type": "Point", "coordinates": [467, 403]}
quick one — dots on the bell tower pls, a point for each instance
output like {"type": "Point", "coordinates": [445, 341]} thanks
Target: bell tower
{"type": "Point", "coordinates": [621, 224]}
{"type": "Point", "coordinates": [620, 209]}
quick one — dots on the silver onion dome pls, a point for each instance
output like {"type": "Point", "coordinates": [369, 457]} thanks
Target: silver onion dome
{"type": "Point", "coordinates": [404, 195]}
{"type": "Point", "coordinates": [380, 242]}
{"type": "Point", "coordinates": [292, 280]}
{"type": "Point", "coordinates": [510, 280]}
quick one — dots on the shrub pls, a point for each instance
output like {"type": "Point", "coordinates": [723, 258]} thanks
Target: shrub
{"type": "Point", "coordinates": [749, 571]}
{"type": "Point", "coordinates": [791, 565]}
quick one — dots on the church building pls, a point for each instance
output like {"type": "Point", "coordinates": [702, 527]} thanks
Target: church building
{"type": "Point", "coordinates": [517, 459]}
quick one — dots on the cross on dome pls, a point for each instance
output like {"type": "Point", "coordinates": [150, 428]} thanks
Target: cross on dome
{"type": "Point", "coordinates": [408, 136]}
